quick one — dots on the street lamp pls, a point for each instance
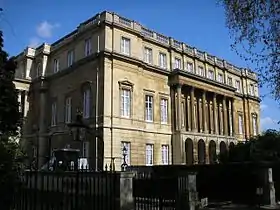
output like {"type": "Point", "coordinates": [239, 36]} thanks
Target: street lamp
{"type": "Point", "coordinates": [124, 153]}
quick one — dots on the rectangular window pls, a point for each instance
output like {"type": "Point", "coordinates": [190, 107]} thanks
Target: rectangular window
{"type": "Point", "coordinates": [88, 47]}
{"type": "Point", "coordinates": [162, 60]}
{"type": "Point", "coordinates": [149, 108]}
{"type": "Point", "coordinates": [38, 70]}
{"type": "Point", "coordinates": [165, 154]}
{"type": "Point", "coordinates": [86, 103]}
{"type": "Point", "coordinates": [201, 71]}
{"type": "Point", "coordinates": [126, 145]}
{"type": "Point", "coordinates": [183, 113]}
{"type": "Point", "coordinates": [210, 74]}
{"type": "Point", "coordinates": [237, 86]}
{"type": "Point", "coordinates": [177, 63]}
{"type": "Point", "coordinates": [68, 110]}
{"type": "Point", "coordinates": [252, 90]}
{"type": "Point", "coordinates": [85, 150]}
{"type": "Point", "coordinates": [125, 103]}
{"type": "Point", "coordinates": [255, 129]}
{"type": "Point", "coordinates": [125, 46]}
{"type": "Point", "coordinates": [149, 154]}
{"type": "Point", "coordinates": [54, 113]}
{"type": "Point", "coordinates": [56, 65]}
{"type": "Point", "coordinates": [230, 81]}
{"type": "Point", "coordinates": [163, 110]}
{"type": "Point", "coordinates": [240, 124]}
{"type": "Point", "coordinates": [220, 78]}
{"type": "Point", "coordinates": [148, 55]}
{"type": "Point", "coordinates": [70, 58]}
{"type": "Point", "coordinates": [190, 67]}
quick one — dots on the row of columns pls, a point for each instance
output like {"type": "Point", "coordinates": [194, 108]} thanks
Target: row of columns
{"type": "Point", "coordinates": [204, 114]}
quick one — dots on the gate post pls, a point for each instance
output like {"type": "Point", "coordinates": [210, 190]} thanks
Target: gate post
{"type": "Point", "coordinates": [126, 200]}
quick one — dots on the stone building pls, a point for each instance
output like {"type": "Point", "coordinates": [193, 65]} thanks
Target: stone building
{"type": "Point", "coordinates": [126, 79]}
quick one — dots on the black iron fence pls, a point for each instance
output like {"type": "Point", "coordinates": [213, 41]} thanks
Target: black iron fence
{"type": "Point", "coordinates": [153, 189]}
{"type": "Point", "coordinates": [68, 190]}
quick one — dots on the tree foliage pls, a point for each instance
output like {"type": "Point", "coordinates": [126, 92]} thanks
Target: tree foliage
{"type": "Point", "coordinates": [255, 26]}
{"type": "Point", "coordinates": [9, 122]}
{"type": "Point", "coordinates": [265, 147]}
{"type": "Point", "coordinates": [9, 106]}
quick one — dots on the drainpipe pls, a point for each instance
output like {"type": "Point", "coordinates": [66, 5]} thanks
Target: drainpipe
{"type": "Point", "coordinates": [112, 84]}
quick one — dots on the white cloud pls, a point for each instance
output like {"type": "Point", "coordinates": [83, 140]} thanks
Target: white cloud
{"type": "Point", "coordinates": [263, 106]}
{"type": "Point", "coordinates": [34, 42]}
{"type": "Point", "coordinates": [45, 29]}
{"type": "Point", "coordinates": [268, 122]}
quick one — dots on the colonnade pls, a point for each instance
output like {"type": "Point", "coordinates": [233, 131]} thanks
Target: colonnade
{"type": "Point", "coordinates": [201, 111]}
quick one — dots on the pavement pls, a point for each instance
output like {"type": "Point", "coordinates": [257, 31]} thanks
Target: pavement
{"type": "Point", "coordinates": [239, 207]}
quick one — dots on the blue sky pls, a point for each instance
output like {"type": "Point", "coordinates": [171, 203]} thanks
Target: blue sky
{"type": "Point", "coordinates": [200, 23]}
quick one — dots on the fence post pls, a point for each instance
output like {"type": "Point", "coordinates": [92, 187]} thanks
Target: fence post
{"type": "Point", "coordinates": [126, 200]}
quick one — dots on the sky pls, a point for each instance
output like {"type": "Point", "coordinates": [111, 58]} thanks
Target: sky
{"type": "Point", "coordinates": [199, 23]}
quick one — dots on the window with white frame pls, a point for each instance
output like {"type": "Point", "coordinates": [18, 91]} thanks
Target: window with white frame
{"type": "Point", "coordinates": [88, 47]}
{"type": "Point", "coordinates": [230, 81]}
{"type": "Point", "coordinates": [163, 110]}
{"type": "Point", "coordinates": [162, 60]}
{"type": "Point", "coordinates": [68, 110]}
{"type": "Point", "coordinates": [54, 113]}
{"type": "Point", "coordinates": [70, 58]}
{"type": "Point", "coordinates": [240, 124]}
{"type": "Point", "coordinates": [125, 46]}
{"type": "Point", "coordinates": [85, 149]}
{"type": "Point", "coordinates": [210, 74]}
{"type": "Point", "coordinates": [165, 154]}
{"type": "Point", "coordinates": [190, 67]}
{"type": "Point", "coordinates": [149, 154]}
{"type": "Point", "coordinates": [238, 86]}
{"type": "Point", "coordinates": [148, 55]}
{"type": "Point", "coordinates": [220, 78]}
{"type": "Point", "coordinates": [55, 65]}
{"type": "Point", "coordinates": [254, 121]}
{"type": "Point", "coordinates": [177, 63]}
{"type": "Point", "coordinates": [201, 71]}
{"type": "Point", "coordinates": [125, 102]}
{"type": "Point", "coordinates": [86, 103]}
{"type": "Point", "coordinates": [126, 145]}
{"type": "Point", "coordinates": [149, 108]}
{"type": "Point", "coordinates": [38, 70]}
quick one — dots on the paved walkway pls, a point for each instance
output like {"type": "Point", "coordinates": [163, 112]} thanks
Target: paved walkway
{"type": "Point", "coordinates": [240, 207]}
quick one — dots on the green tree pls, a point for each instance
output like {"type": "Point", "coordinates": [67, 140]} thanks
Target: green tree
{"type": "Point", "coordinates": [255, 26]}
{"type": "Point", "coordinates": [265, 147]}
{"type": "Point", "coordinates": [9, 123]}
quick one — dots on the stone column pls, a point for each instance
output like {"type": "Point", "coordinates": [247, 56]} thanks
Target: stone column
{"type": "Point", "coordinates": [221, 119]}
{"type": "Point", "coordinates": [233, 117]}
{"type": "Point", "coordinates": [215, 114]}
{"type": "Point", "coordinates": [204, 112]}
{"type": "Point", "coordinates": [200, 113]}
{"type": "Point", "coordinates": [225, 117]}
{"type": "Point", "coordinates": [126, 201]}
{"type": "Point", "coordinates": [178, 110]}
{"type": "Point", "coordinates": [211, 120]}
{"type": "Point", "coordinates": [230, 117]}
{"type": "Point", "coordinates": [193, 126]}
{"type": "Point", "coordinates": [189, 113]}
{"type": "Point", "coordinates": [43, 144]}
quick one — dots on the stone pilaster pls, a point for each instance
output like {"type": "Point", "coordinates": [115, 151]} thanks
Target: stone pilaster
{"type": "Point", "coordinates": [204, 112]}
{"type": "Point", "coordinates": [189, 113]}
{"type": "Point", "coordinates": [230, 118]}
{"type": "Point", "coordinates": [43, 143]}
{"type": "Point", "coordinates": [233, 118]}
{"type": "Point", "coordinates": [179, 109]}
{"type": "Point", "coordinates": [215, 114]}
{"type": "Point", "coordinates": [225, 117]}
{"type": "Point", "coordinates": [193, 110]}
{"type": "Point", "coordinates": [200, 113]}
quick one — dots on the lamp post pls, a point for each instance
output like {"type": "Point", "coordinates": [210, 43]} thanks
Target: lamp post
{"type": "Point", "coordinates": [124, 153]}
